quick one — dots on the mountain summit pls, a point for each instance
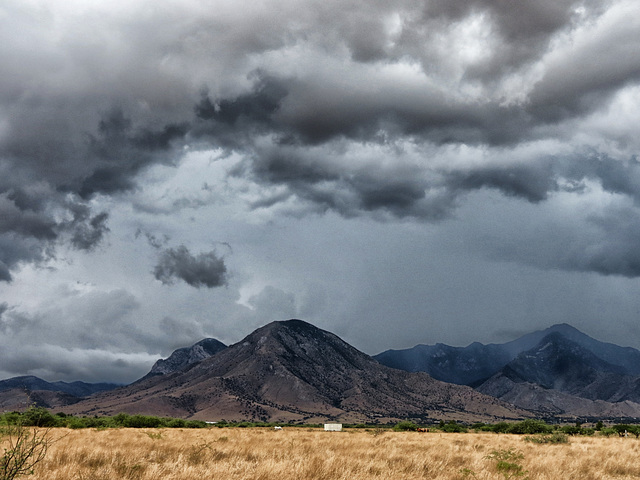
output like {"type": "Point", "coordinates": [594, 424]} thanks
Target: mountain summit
{"type": "Point", "coordinates": [294, 371]}
{"type": "Point", "coordinates": [183, 357]}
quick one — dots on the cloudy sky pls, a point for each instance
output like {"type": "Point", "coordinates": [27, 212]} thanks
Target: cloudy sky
{"type": "Point", "coordinates": [397, 172]}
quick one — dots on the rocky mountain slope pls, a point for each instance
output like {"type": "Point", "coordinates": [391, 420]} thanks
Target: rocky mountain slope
{"type": "Point", "coordinates": [294, 371]}
{"type": "Point", "coordinates": [552, 374]}
{"type": "Point", "coordinates": [182, 358]}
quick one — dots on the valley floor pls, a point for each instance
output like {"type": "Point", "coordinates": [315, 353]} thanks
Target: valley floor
{"type": "Point", "coordinates": [305, 453]}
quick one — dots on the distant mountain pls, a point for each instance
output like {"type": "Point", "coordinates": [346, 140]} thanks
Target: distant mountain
{"type": "Point", "coordinates": [626, 357]}
{"type": "Point", "coordinates": [294, 371]}
{"type": "Point", "coordinates": [21, 392]}
{"type": "Point", "coordinates": [558, 363]}
{"type": "Point", "coordinates": [77, 389]}
{"type": "Point", "coordinates": [182, 358]}
{"type": "Point", "coordinates": [475, 363]}
{"type": "Point", "coordinates": [459, 365]}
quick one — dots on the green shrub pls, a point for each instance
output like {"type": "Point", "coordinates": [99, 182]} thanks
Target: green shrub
{"type": "Point", "coordinates": [195, 424]}
{"type": "Point", "coordinates": [623, 428]}
{"type": "Point", "coordinates": [507, 463]}
{"type": "Point", "coordinates": [142, 421]}
{"type": "Point", "coordinates": [76, 423]}
{"type": "Point", "coordinates": [553, 438]}
{"type": "Point", "coordinates": [38, 417]}
{"type": "Point", "coordinates": [120, 419]}
{"type": "Point", "coordinates": [608, 431]}
{"type": "Point", "coordinates": [571, 430]}
{"type": "Point", "coordinates": [529, 427]}
{"type": "Point", "coordinates": [176, 423]}
{"type": "Point", "coordinates": [500, 427]}
{"type": "Point", "coordinates": [453, 427]}
{"type": "Point", "coordinates": [405, 426]}
{"type": "Point", "coordinates": [11, 418]}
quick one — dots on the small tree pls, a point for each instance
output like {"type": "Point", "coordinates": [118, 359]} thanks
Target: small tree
{"type": "Point", "coordinates": [24, 448]}
{"type": "Point", "coordinates": [453, 427]}
{"type": "Point", "coordinates": [529, 426]}
{"type": "Point", "coordinates": [405, 426]}
{"type": "Point", "coordinates": [38, 417]}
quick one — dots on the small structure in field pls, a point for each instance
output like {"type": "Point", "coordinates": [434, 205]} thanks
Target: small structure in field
{"type": "Point", "coordinates": [332, 427]}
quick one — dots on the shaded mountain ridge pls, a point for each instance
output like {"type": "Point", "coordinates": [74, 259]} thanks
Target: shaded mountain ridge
{"type": "Point", "coordinates": [559, 372]}
{"type": "Point", "coordinates": [561, 376]}
{"type": "Point", "coordinates": [24, 391]}
{"type": "Point", "coordinates": [474, 364]}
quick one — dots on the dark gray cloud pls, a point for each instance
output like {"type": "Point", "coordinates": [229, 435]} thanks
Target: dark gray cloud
{"type": "Point", "coordinates": [4, 306]}
{"type": "Point", "coordinates": [34, 219]}
{"type": "Point", "coordinates": [355, 107]}
{"type": "Point", "coordinates": [202, 270]}
{"type": "Point", "coordinates": [119, 153]}
{"type": "Point", "coordinates": [45, 209]}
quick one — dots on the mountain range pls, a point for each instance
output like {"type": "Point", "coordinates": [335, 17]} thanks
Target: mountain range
{"type": "Point", "coordinates": [21, 392]}
{"type": "Point", "coordinates": [558, 371]}
{"type": "Point", "coordinates": [475, 363]}
{"type": "Point", "coordinates": [294, 371]}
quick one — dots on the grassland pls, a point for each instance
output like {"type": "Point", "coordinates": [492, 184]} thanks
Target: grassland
{"type": "Point", "coordinates": [304, 453]}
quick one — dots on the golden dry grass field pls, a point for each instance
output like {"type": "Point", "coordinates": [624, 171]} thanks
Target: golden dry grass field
{"type": "Point", "coordinates": [304, 453]}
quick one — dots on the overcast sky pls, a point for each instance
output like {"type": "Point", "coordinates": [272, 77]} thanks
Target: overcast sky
{"type": "Point", "coordinates": [395, 171]}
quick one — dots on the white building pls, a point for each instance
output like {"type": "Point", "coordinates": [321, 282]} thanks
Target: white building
{"type": "Point", "coordinates": [332, 427]}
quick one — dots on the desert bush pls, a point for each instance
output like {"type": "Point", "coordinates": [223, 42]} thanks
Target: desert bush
{"type": "Point", "coordinates": [622, 428]}
{"type": "Point", "coordinates": [453, 427]}
{"type": "Point", "coordinates": [23, 448]}
{"type": "Point", "coordinates": [195, 424]}
{"type": "Point", "coordinates": [507, 463]}
{"type": "Point", "coordinates": [176, 423]}
{"type": "Point", "coordinates": [37, 417]}
{"type": "Point", "coordinates": [553, 438]}
{"type": "Point", "coordinates": [500, 427]}
{"type": "Point", "coordinates": [142, 421]}
{"type": "Point", "coordinates": [405, 426]}
{"type": "Point", "coordinates": [528, 427]}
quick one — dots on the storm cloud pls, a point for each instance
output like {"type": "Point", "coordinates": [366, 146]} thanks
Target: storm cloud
{"type": "Point", "coordinates": [327, 105]}
{"type": "Point", "coordinates": [487, 131]}
{"type": "Point", "coordinates": [201, 270]}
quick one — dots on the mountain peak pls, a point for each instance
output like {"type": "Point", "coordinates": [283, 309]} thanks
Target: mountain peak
{"type": "Point", "coordinates": [294, 324]}
{"type": "Point", "coordinates": [563, 328]}
{"type": "Point", "coordinates": [183, 357]}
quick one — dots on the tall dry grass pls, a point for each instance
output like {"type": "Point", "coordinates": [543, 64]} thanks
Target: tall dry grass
{"type": "Point", "coordinates": [299, 453]}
